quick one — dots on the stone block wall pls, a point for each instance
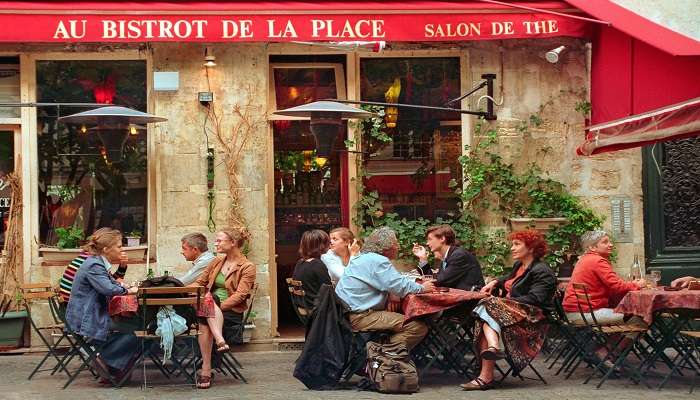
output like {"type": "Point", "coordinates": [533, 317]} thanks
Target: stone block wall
{"type": "Point", "coordinates": [181, 147]}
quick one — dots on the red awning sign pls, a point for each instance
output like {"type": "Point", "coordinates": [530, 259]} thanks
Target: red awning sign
{"type": "Point", "coordinates": [672, 122]}
{"type": "Point", "coordinates": [284, 28]}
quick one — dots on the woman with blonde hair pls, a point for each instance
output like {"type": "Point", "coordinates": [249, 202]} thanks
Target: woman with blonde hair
{"type": "Point", "coordinates": [229, 278]}
{"type": "Point", "coordinates": [87, 314]}
{"type": "Point", "coordinates": [343, 245]}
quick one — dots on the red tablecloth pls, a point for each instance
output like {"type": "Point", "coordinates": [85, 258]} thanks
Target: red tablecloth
{"type": "Point", "coordinates": [645, 303]}
{"type": "Point", "coordinates": [123, 306]}
{"type": "Point", "coordinates": [128, 305]}
{"type": "Point", "coordinates": [417, 305]}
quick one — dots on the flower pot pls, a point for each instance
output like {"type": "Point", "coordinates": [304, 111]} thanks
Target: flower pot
{"type": "Point", "coordinates": [133, 241]}
{"type": "Point", "coordinates": [541, 224]}
{"type": "Point", "coordinates": [12, 329]}
{"type": "Point", "coordinates": [135, 253]}
{"type": "Point", "coordinates": [56, 255]}
{"type": "Point", "coordinates": [248, 331]}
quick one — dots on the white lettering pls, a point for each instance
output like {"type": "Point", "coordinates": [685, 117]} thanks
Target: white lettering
{"type": "Point", "coordinates": [71, 32]}
{"type": "Point", "coordinates": [109, 29]}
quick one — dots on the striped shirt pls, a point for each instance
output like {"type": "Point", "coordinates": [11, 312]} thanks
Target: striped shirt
{"type": "Point", "coordinates": [66, 282]}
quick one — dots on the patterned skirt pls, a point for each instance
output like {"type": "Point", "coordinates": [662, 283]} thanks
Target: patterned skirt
{"type": "Point", "coordinates": [523, 329]}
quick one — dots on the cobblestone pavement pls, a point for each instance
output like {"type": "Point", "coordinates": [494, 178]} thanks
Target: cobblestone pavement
{"type": "Point", "coordinates": [270, 377]}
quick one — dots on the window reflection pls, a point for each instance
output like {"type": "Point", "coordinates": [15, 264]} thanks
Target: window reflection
{"type": "Point", "coordinates": [411, 173]}
{"type": "Point", "coordinates": [90, 178]}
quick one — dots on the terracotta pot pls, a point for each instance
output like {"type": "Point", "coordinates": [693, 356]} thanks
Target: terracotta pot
{"type": "Point", "coordinates": [541, 224]}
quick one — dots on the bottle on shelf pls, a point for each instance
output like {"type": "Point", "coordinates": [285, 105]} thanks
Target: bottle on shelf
{"type": "Point", "coordinates": [150, 273]}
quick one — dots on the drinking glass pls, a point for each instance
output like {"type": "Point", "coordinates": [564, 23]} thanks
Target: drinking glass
{"type": "Point", "coordinates": [655, 277]}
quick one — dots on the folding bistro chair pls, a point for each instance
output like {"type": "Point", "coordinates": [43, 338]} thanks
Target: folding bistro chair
{"type": "Point", "coordinates": [296, 293]}
{"type": "Point", "coordinates": [604, 335]}
{"type": "Point", "coordinates": [229, 362]}
{"type": "Point", "coordinates": [691, 358]}
{"type": "Point", "coordinates": [87, 351]}
{"type": "Point", "coordinates": [446, 346]}
{"type": "Point", "coordinates": [31, 293]}
{"type": "Point", "coordinates": [163, 297]}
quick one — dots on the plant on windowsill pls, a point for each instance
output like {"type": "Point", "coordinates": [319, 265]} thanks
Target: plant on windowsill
{"type": "Point", "coordinates": [67, 246]}
{"type": "Point", "coordinates": [133, 238]}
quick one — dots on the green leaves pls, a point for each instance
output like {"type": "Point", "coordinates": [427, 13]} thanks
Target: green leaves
{"type": "Point", "coordinates": [69, 238]}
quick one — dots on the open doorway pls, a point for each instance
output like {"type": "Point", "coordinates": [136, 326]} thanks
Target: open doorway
{"type": "Point", "coordinates": [9, 148]}
{"type": "Point", "coordinates": [309, 190]}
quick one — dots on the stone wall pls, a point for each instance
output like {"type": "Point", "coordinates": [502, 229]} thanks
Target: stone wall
{"type": "Point", "coordinates": [181, 189]}
{"type": "Point", "coordinates": [534, 87]}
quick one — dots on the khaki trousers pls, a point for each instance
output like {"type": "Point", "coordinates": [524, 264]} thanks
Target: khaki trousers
{"type": "Point", "coordinates": [409, 334]}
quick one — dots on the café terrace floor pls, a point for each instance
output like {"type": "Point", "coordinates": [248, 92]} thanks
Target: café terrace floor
{"type": "Point", "coordinates": [270, 377]}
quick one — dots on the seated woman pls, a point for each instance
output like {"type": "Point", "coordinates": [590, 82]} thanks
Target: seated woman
{"type": "Point", "coordinates": [87, 314]}
{"type": "Point", "coordinates": [310, 270]}
{"type": "Point", "coordinates": [229, 277]}
{"type": "Point", "coordinates": [343, 246]}
{"type": "Point", "coordinates": [604, 285]}
{"type": "Point", "coordinates": [514, 323]}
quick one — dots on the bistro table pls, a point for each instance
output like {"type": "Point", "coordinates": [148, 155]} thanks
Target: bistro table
{"type": "Point", "coordinates": [127, 306]}
{"type": "Point", "coordinates": [449, 340]}
{"type": "Point", "coordinates": [667, 313]}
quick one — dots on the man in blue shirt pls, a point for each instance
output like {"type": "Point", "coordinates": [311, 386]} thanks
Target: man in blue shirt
{"type": "Point", "coordinates": [195, 250]}
{"type": "Point", "coordinates": [366, 284]}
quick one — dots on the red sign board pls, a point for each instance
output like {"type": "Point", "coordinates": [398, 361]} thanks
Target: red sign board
{"type": "Point", "coordinates": [284, 28]}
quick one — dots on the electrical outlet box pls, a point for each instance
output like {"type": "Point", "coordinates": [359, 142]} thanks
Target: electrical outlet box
{"type": "Point", "coordinates": [206, 97]}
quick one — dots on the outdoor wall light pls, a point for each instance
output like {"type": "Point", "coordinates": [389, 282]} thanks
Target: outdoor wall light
{"type": "Point", "coordinates": [326, 121]}
{"type": "Point", "coordinates": [553, 55]}
{"type": "Point", "coordinates": [209, 59]}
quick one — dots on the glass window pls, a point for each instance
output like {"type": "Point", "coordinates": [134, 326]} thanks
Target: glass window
{"type": "Point", "coordinates": [411, 173]}
{"type": "Point", "coordinates": [7, 162]}
{"type": "Point", "coordinates": [89, 177]}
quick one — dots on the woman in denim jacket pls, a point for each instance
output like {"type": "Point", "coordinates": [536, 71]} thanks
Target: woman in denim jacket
{"type": "Point", "coordinates": [87, 313]}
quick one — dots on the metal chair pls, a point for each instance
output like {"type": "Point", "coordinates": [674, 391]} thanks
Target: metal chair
{"type": "Point", "coordinates": [32, 293]}
{"type": "Point", "coordinates": [611, 337]}
{"type": "Point", "coordinates": [163, 297]}
{"type": "Point", "coordinates": [691, 358]}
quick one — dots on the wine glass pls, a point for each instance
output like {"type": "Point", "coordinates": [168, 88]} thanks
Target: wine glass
{"type": "Point", "coordinates": [655, 277]}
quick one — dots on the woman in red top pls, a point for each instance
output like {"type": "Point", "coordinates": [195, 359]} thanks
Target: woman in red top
{"type": "Point", "coordinates": [604, 285]}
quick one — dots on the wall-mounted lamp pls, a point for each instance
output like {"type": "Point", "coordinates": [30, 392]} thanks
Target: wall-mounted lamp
{"type": "Point", "coordinates": [134, 129]}
{"type": "Point", "coordinates": [553, 55]}
{"type": "Point", "coordinates": [209, 59]}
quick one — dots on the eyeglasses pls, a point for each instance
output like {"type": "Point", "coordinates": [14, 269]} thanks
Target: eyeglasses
{"type": "Point", "coordinates": [224, 240]}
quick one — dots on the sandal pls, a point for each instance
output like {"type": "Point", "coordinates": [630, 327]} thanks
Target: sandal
{"type": "Point", "coordinates": [477, 384]}
{"type": "Point", "coordinates": [204, 381]}
{"type": "Point", "coordinates": [492, 354]}
{"type": "Point", "coordinates": [222, 347]}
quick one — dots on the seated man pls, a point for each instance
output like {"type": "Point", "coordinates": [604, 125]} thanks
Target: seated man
{"type": "Point", "coordinates": [366, 284]}
{"type": "Point", "coordinates": [459, 270]}
{"type": "Point", "coordinates": [195, 250]}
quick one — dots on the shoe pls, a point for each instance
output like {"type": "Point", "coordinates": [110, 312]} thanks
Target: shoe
{"type": "Point", "coordinates": [492, 354]}
{"type": "Point", "coordinates": [204, 382]}
{"type": "Point", "coordinates": [222, 347]}
{"type": "Point", "coordinates": [477, 384]}
{"type": "Point", "coordinates": [99, 366]}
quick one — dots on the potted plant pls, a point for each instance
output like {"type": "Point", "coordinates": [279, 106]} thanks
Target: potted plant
{"type": "Point", "coordinates": [12, 325]}
{"type": "Point", "coordinates": [67, 246]}
{"type": "Point", "coordinates": [249, 327]}
{"type": "Point", "coordinates": [133, 238]}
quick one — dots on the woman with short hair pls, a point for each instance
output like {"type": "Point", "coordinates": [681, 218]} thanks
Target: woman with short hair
{"type": "Point", "coordinates": [87, 313]}
{"type": "Point", "coordinates": [310, 270]}
{"type": "Point", "coordinates": [514, 323]}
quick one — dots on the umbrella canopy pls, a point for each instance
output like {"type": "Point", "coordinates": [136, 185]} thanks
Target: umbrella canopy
{"type": "Point", "coordinates": [671, 122]}
{"type": "Point", "coordinates": [338, 109]}
{"type": "Point", "coordinates": [112, 116]}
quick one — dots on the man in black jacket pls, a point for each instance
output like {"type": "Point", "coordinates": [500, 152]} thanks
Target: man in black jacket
{"type": "Point", "coordinates": [459, 269]}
